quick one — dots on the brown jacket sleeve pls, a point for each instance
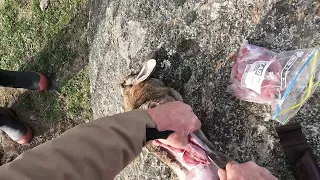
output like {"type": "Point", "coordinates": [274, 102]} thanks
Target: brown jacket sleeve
{"type": "Point", "coordinates": [98, 150]}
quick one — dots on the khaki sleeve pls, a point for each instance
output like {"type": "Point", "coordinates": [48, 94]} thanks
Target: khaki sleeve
{"type": "Point", "coordinates": [98, 150]}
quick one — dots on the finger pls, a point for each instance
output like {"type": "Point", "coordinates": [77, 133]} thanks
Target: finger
{"type": "Point", "coordinates": [188, 107]}
{"type": "Point", "coordinates": [265, 173]}
{"type": "Point", "coordinates": [178, 140]}
{"type": "Point", "coordinates": [251, 165]}
{"type": "Point", "coordinates": [233, 170]}
{"type": "Point", "coordinates": [182, 105]}
{"type": "Point", "coordinates": [231, 165]}
{"type": "Point", "coordinates": [222, 174]}
{"type": "Point", "coordinates": [197, 125]}
{"type": "Point", "coordinates": [194, 124]}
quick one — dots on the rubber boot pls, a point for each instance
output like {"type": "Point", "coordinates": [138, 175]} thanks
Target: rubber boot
{"type": "Point", "coordinates": [26, 80]}
{"type": "Point", "coordinates": [15, 129]}
{"type": "Point", "coordinates": [298, 152]}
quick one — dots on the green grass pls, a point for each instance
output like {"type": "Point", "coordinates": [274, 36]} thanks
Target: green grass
{"type": "Point", "coordinates": [77, 93]}
{"type": "Point", "coordinates": [54, 43]}
{"type": "Point", "coordinates": [72, 103]}
{"type": "Point", "coordinates": [25, 29]}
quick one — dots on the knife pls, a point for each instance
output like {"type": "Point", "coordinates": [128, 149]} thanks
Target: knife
{"type": "Point", "coordinates": [219, 159]}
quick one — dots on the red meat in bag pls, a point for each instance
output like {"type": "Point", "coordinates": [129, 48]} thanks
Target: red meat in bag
{"type": "Point", "coordinates": [255, 76]}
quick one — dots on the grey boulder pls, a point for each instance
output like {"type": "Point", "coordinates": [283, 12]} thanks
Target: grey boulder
{"type": "Point", "coordinates": [194, 43]}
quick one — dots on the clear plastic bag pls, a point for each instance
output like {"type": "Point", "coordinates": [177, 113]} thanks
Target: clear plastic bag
{"type": "Point", "coordinates": [284, 80]}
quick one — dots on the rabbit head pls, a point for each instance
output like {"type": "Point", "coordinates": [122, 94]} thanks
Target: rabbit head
{"type": "Point", "coordinates": [142, 92]}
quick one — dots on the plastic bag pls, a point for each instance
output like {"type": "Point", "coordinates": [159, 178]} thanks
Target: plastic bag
{"type": "Point", "coordinates": [284, 80]}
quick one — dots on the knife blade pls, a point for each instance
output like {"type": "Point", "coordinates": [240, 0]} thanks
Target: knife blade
{"type": "Point", "coordinates": [219, 159]}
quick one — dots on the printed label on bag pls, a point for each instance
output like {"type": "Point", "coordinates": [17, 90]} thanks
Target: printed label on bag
{"type": "Point", "coordinates": [286, 69]}
{"type": "Point", "coordinates": [253, 75]}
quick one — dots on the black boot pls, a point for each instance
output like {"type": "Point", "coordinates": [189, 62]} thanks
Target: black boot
{"type": "Point", "coordinates": [298, 152]}
{"type": "Point", "coordinates": [15, 129]}
{"type": "Point", "coordinates": [27, 80]}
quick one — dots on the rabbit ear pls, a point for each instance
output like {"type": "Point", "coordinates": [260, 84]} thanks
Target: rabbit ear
{"type": "Point", "coordinates": [146, 71]}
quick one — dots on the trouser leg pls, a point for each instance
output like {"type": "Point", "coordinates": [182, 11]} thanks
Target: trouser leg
{"type": "Point", "coordinates": [298, 152]}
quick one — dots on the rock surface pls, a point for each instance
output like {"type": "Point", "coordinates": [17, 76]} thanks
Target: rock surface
{"type": "Point", "coordinates": [198, 40]}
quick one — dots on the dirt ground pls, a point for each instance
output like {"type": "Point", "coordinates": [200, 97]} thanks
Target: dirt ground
{"type": "Point", "coordinates": [54, 43]}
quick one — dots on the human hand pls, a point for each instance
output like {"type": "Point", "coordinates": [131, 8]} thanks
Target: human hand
{"type": "Point", "coordinates": [175, 116]}
{"type": "Point", "coordinates": [245, 171]}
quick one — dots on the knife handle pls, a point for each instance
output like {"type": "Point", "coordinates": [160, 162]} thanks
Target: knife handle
{"type": "Point", "coordinates": [153, 133]}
